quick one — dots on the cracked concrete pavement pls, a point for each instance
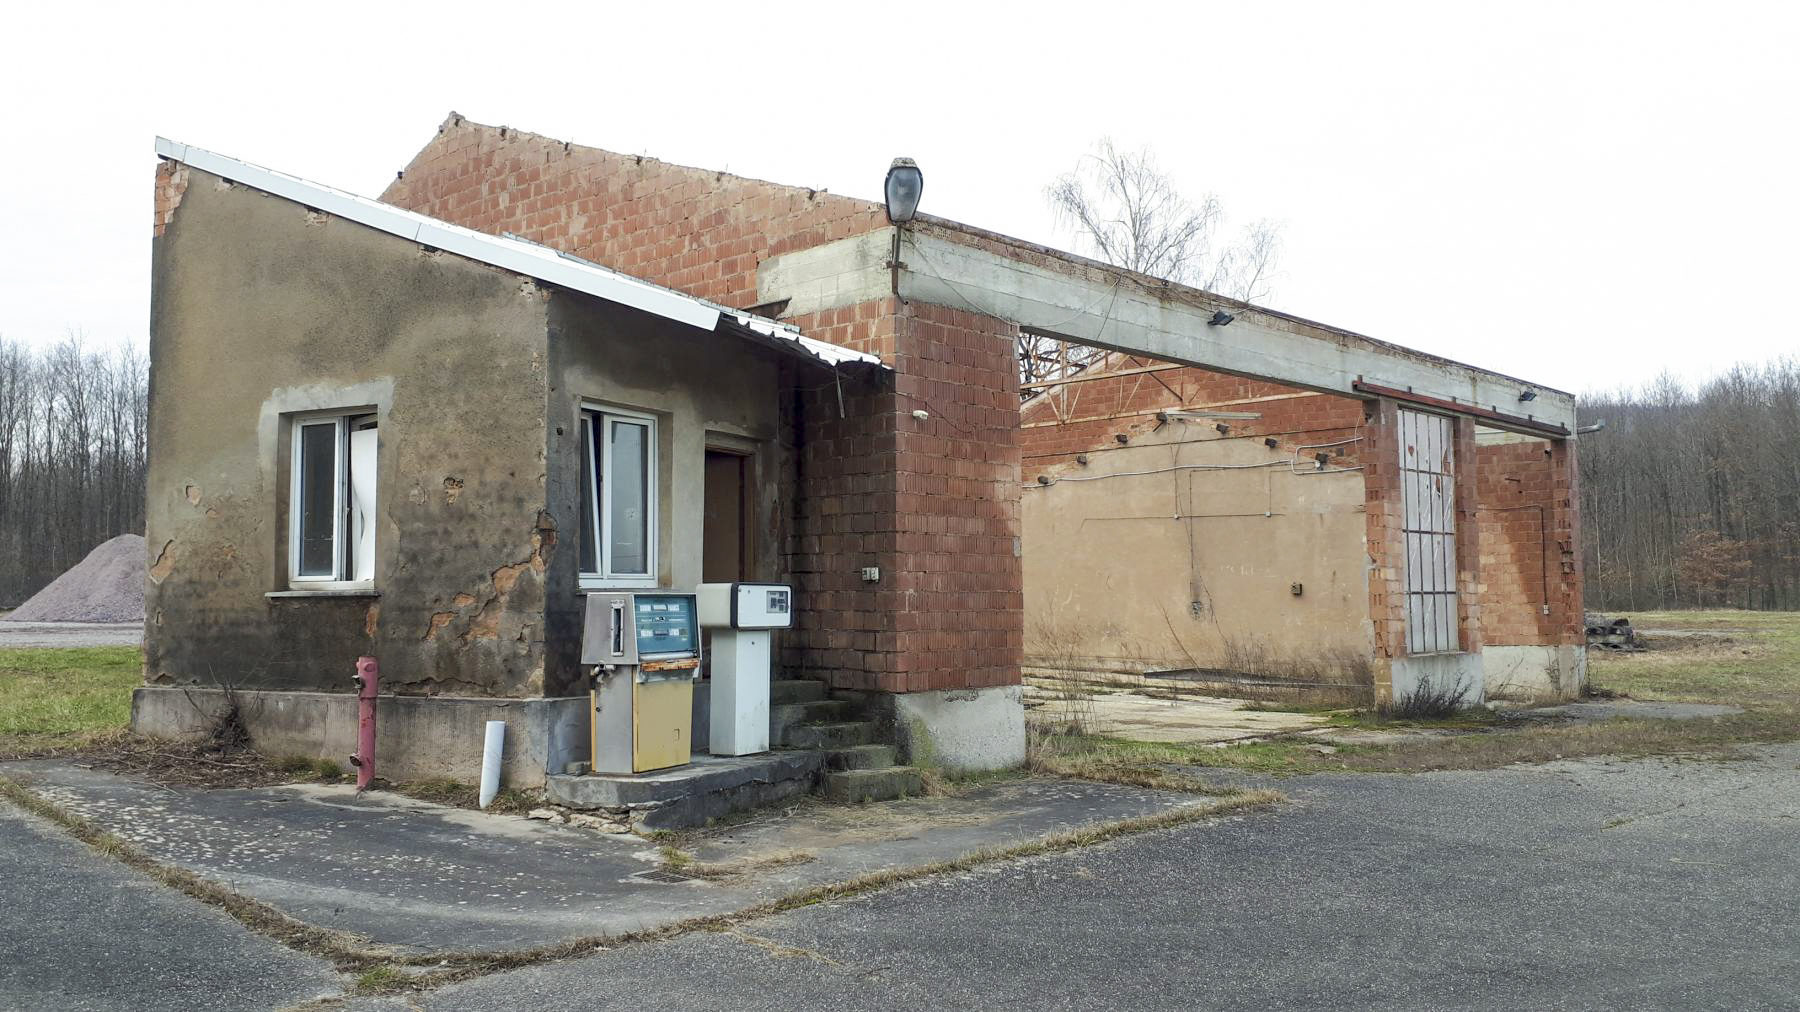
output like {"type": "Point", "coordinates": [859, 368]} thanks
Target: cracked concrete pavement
{"type": "Point", "coordinates": [423, 877]}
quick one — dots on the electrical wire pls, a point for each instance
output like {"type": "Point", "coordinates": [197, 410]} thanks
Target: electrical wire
{"type": "Point", "coordinates": [1292, 462]}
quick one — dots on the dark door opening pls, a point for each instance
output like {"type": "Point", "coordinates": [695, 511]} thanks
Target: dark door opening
{"type": "Point", "coordinates": [725, 552]}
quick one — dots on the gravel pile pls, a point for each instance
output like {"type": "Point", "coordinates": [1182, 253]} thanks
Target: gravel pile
{"type": "Point", "coordinates": [107, 586]}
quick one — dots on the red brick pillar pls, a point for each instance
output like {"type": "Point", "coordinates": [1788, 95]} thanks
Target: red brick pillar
{"type": "Point", "coordinates": [931, 503]}
{"type": "Point", "coordinates": [1468, 536]}
{"type": "Point", "coordinates": [1384, 512]}
{"type": "Point", "coordinates": [957, 569]}
{"type": "Point", "coordinates": [1564, 557]}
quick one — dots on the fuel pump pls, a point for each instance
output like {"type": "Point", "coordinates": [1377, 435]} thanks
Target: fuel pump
{"type": "Point", "coordinates": [644, 650]}
{"type": "Point", "coordinates": [740, 616]}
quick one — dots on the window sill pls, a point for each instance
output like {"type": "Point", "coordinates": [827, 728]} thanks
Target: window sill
{"type": "Point", "coordinates": [617, 585]}
{"type": "Point", "coordinates": [322, 592]}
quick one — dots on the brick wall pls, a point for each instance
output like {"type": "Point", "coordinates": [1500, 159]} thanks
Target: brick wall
{"type": "Point", "coordinates": [1090, 415]}
{"type": "Point", "coordinates": [932, 502]}
{"type": "Point", "coordinates": [697, 230]}
{"type": "Point", "coordinates": [961, 592]}
{"type": "Point", "coordinates": [171, 184]}
{"type": "Point", "coordinates": [1526, 520]}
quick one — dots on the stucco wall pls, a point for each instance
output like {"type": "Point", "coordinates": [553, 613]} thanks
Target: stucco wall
{"type": "Point", "coordinates": [700, 387]}
{"type": "Point", "coordinates": [1175, 568]}
{"type": "Point", "coordinates": [261, 307]}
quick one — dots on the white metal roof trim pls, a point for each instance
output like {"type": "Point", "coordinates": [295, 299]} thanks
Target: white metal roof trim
{"type": "Point", "coordinates": [540, 262]}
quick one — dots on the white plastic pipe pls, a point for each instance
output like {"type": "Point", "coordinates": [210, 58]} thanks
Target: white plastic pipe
{"type": "Point", "coordinates": [490, 760]}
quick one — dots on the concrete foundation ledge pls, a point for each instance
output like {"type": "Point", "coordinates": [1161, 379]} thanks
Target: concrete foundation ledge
{"type": "Point", "coordinates": [1534, 672]}
{"type": "Point", "coordinates": [957, 729]}
{"type": "Point", "coordinates": [692, 795]}
{"type": "Point", "coordinates": [1460, 672]}
{"type": "Point", "coordinates": [417, 737]}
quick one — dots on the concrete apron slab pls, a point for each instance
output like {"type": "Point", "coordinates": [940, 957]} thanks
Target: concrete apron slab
{"type": "Point", "coordinates": [426, 878]}
{"type": "Point", "coordinates": [1196, 720]}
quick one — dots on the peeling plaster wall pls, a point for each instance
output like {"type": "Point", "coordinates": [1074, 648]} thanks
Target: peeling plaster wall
{"type": "Point", "coordinates": [261, 307]}
{"type": "Point", "coordinates": [699, 386]}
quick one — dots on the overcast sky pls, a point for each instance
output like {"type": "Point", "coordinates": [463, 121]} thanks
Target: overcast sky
{"type": "Point", "coordinates": [1576, 193]}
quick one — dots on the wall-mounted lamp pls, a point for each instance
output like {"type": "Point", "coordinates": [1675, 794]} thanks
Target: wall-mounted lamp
{"type": "Point", "coordinates": [1220, 318]}
{"type": "Point", "coordinates": [905, 183]}
{"type": "Point", "coordinates": [1528, 394]}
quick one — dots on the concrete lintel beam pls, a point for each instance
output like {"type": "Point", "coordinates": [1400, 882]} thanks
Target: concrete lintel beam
{"type": "Point", "coordinates": [1095, 305]}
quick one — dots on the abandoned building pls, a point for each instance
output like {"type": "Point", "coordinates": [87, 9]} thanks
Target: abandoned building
{"type": "Point", "coordinates": [1217, 528]}
{"type": "Point", "coordinates": [533, 371]}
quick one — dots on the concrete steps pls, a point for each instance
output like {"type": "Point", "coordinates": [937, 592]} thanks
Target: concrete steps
{"type": "Point", "coordinates": [805, 714]}
{"type": "Point", "coordinates": [852, 787]}
{"type": "Point", "coordinates": [832, 735]}
{"type": "Point", "coordinates": [796, 690]}
{"type": "Point", "coordinates": [784, 717]}
{"type": "Point", "coordinates": [860, 757]}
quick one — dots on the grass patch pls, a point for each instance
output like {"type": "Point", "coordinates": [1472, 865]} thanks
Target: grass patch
{"type": "Point", "coordinates": [382, 979]}
{"type": "Point", "coordinates": [1749, 659]}
{"type": "Point", "coordinates": [52, 698]}
{"type": "Point", "coordinates": [456, 794]}
{"type": "Point", "coordinates": [675, 859]}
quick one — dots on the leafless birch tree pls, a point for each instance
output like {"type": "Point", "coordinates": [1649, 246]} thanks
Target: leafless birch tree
{"type": "Point", "coordinates": [1124, 209]}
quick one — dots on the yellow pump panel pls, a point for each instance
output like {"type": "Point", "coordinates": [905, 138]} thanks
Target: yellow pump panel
{"type": "Point", "coordinates": [662, 715]}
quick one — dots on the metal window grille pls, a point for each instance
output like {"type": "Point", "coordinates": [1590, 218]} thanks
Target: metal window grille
{"type": "Point", "coordinates": [1428, 489]}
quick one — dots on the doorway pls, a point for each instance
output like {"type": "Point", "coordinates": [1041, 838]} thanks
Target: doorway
{"type": "Point", "coordinates": [726, 542]}
{"type": "Point", "coordinates": [727, 523]}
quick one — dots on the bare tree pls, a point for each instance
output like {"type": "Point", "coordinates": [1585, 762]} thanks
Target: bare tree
{"type": "Point", "coordinates": [1124, 209]}
{"type": "Point", "coordinates": [72, 456]}
{"type": "Point", "coordinates": [1690, 496]}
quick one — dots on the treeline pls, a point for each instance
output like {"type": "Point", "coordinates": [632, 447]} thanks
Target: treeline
{"type": "Point", "coordinates": [72, 432]}
{"type": "Point", "coordinates": [1691, 497]}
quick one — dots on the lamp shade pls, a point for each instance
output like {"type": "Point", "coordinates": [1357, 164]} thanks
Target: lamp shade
{"type": "Point", "coordinates": [904, 185]}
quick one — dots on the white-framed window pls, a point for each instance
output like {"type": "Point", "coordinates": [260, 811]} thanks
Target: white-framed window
{"type": "Point", "coordinates": [618, 498]}
{"type": "Point", "coordinates": [331, 502]}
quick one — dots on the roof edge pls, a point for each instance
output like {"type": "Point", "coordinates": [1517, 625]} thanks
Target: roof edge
{"type": "Point", "coordinates": [533, 260]}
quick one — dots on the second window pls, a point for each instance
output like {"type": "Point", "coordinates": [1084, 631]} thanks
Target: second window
{"type": "Point", "coordinates": [618, 498]}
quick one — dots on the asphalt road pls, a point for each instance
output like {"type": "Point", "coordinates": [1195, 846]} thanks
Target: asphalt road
{"type": "Point", "coordinates": [79, 931]}
{"type": "Point", "coordinates": [1574, 886]}
{"type": "Point", "coordinates": [1580, 885]}
{"type": "Point", "coordinates": [71, 634]}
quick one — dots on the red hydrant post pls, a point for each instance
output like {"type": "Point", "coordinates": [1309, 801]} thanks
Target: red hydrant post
{"type": "Point", "coordinates": [368, 678]}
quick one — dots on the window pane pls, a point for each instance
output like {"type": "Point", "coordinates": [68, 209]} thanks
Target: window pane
{"type": "Point", "coordinates": [362, 502]}
{"type": "Point", "coordinates": [317, 500]}
{"type": "Point", "coordinates": [628, 525]}
{"type": "Point", "coordinates": [590, 521]}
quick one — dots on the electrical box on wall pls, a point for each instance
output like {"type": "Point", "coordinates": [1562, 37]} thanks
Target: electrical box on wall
{"type": "Point", "coordinates": [746, 605]}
